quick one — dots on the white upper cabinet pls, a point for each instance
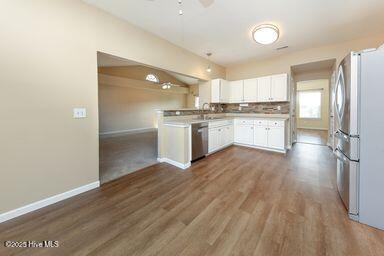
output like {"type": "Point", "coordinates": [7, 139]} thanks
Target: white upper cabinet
{"type": "Point", "coordinates": [225, 91]}
{"type": "Point", "coordinates": [279, 87]}
{"type": "Point", "coordinates": [235, 91]}
{"type": "Point", "coordinates": [264, 89]}
{"type": "Point", "coordinates": [250, 90]}
{"type": "Point", "coordinates": [261, 89]}
{"type": "Point", "coordinates": [215, 90]}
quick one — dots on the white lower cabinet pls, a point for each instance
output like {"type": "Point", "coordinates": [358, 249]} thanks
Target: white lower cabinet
{"type": "Point", "coordinates": [263, 133]}
{"type": "Point", "coordinates": [276, 137]}
{"type": "Point", "coordinates": [220, 137]}
{"type": "Point", "coordinates": [213, 139]}
{"type": "Point", "coordinates": [244, 134]}
{"type": "Point", "coordinates": [261, 136]}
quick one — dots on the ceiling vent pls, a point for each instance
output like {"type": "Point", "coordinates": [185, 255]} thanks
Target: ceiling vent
{"type": "Point", "coordinates": [282, 48]}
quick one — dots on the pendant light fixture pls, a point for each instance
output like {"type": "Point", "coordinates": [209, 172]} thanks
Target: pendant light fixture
{"type": "Point", "coordinates": [209, 69]}
{"type": "Point", "coordinates": [180, 7]}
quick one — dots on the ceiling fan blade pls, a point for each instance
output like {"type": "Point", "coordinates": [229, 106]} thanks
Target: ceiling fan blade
{"type": "Point", "coordinates": [206, 3]}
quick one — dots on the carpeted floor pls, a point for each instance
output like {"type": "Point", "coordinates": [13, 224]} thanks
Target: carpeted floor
{"type": "Point", "coordinates": [120, 155]}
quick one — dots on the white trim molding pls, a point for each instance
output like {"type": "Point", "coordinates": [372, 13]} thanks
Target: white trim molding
{"type": "Point", "coordinates": [174, 163]}
{"type": "Point", "coordinates": [313, 128]}
{"type": "Point", "coordinates": [283, 151]}
{"type": "Point", "coordinates": [129, 131]}
{"type": "Point", "coordinates": [47, 201]}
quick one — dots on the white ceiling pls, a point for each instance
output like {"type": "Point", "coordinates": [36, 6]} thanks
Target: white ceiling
{"type": "Point", "coordinates": [225, 27]}
{"type": "Point", "coordinates": [107, 60]}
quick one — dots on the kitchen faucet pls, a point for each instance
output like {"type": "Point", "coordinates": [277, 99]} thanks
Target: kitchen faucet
{"type": "Point", "coordinates": [202, 109]}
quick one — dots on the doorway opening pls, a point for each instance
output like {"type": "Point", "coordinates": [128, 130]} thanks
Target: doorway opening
{"type": "Point", "coordinates": [130, 96]}
{"type": "Point", "coordinates": [312, 107]}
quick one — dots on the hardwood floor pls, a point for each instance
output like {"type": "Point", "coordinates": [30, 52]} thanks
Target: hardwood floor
{"type": "Point", "coordinates": [311, 136]}
{"type": "Point", "coordinates": [239, 201]}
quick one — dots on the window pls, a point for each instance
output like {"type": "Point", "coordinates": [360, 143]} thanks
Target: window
{"type": "Point", "coordinates": [310, 104]}
{"type": "Point", "coordinates": [197, 102]}
{"type": "Point", "coordinates": [152, 78]}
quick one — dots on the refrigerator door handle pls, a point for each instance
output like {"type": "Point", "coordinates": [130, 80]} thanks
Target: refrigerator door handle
{"type": "Point", "coordinates": [341, 156]}
{"type": "Point", "coordinates": [341, 135]}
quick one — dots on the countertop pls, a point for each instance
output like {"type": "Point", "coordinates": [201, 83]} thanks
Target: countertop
{"type": "Point", "coordinates": [184, 121]}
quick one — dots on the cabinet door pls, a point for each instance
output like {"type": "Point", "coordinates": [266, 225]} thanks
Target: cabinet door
{"type": "Point", "coordinates": [213, 139]}
{"type": "Point", "coordinates": [228, 133]}
{"type": "Point", "coordinates": [264, 89]}
{"type": "Point", "coordinates": [215, 91]}
{"type": "Point", "coordinates": [261, 136]}
{"type": "Point", "coordinates": [225, 91]}
{"type": "Point", "coordinates": [279, 88]}
{"type": "Point", "coordinates": [276, 138]}
{"type": "Point", "coordinates": [250, 90]}
{"type": "Point", "coordinates": [244, 134]}
{"type": "Point", "coordinates": [221, 137]}
{"type": "Point", "coordinates": [236, 91]}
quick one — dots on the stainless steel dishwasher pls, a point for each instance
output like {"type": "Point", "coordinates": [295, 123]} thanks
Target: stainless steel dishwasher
{"type": "Point", "coordinates": [199, 140]}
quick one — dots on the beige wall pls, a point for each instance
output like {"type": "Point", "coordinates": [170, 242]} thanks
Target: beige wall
{"type": "Point", "coordinates": [140, 73]}
{"type": "Point", "coordinates": [193, 92]}
{"type": "Point", "coordinates": [128, 108]}
{"type": "Point", "coordinates": [49, 66]}
{"type": "Point", "coordinates": [323, 122]}
{"type": "Point", "coordinates": [283, 63]}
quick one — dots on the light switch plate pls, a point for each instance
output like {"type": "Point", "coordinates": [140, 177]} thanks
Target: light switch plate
{"type": "Point", "coordinates": [79, 113]}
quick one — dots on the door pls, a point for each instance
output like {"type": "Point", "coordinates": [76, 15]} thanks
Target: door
{"type": "Point", "coordinates": [224, 91]}
{"type": "Point", "coordinates": [244, 134]}
{"type": "Point", "coordinates": [276, 137]}
{"type": "Point", "coordinates": [347, 181]}
{"type": "Point", "coordinates": [222, 137]}
{"type": "Point", "coordinates": [264, 89]}
{"type": "Point", "coordinates": [215, 91]}
{"type": "Point", "coordinates": [228, 134]}
{"type": "Point", "coordinates": [250, 90]}
{"type": "Point", "coordinates": [279, 87]}
{"type": "Point", "coordinates": [261, 136]}
{"type": "Point", "coordinates": [200, 140]}
{"type": "Point", "coordinates": [213, 139]}
{"type": "Point", "coordinates": [236, 91]}
{"type": "Point", "coordinates": [344, 88]}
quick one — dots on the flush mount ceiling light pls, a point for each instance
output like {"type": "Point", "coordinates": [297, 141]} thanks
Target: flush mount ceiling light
{"type": "Point", "coordinates": [265, 34]}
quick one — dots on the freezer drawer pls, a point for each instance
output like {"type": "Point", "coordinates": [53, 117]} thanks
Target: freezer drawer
{"type": "Point", "coordinates": [347, 181]}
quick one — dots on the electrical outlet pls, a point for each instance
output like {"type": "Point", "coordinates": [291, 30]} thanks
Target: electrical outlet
{"type": "Point", "coordinates": [79, 113]}
{"type": "Point", "coordinates": [278, 107]}
{"type": "Point", "coordinates": [177, 113]}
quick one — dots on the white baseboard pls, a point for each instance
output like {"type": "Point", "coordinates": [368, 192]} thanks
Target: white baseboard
{"type": "Point", "coordinates": [263, 148]}
{"type": "Point", "coordinates": [174, 163]}
{"type": "Point", "coordinates": [47, 201]}
{"type": "Point", "coordinates": [130, 131]}
{"type": "Point", "coordinates": [313, 128]}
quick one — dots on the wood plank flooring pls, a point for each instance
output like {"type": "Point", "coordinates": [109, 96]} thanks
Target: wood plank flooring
{"type": "Point", "coordinates": [239, 201]}
{"type": "Point", "coordinates": [312, 136]}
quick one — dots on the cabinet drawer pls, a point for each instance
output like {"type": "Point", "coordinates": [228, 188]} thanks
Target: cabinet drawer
{"type": "Point", "coordinates": [213, 124]}
{"type": "Point", "coordinates": [244, 122]}
{"type": "Point", "coordinates": [276, 123]}
{"type": "Point", "coordinates": [259, 122]}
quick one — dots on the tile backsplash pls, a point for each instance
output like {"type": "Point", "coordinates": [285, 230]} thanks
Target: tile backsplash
{"type": "Point", "coordinates": [260, 108]}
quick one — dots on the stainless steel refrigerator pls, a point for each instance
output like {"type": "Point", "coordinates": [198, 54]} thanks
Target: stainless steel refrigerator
{"type": "Point", "coordinates": [359, 109]}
